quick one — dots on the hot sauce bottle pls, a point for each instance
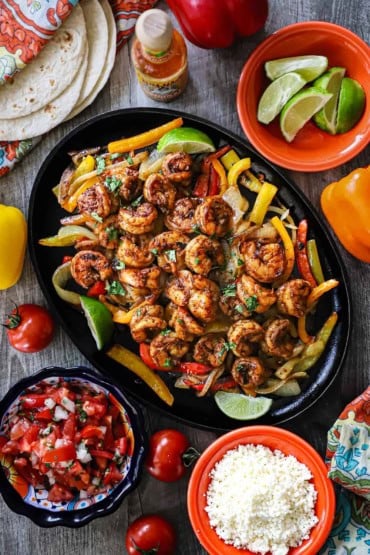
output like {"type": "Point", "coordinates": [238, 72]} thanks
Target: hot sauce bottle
{"type": "Point", "coordinates": [159, 56]}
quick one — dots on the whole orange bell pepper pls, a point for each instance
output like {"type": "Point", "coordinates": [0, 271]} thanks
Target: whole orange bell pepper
{"type": "Point", "coordinates": [346, 205]}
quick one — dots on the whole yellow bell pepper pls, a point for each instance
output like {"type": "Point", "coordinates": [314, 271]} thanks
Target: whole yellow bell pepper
{"type": "Point", "coordinates": [346, 205]}
{"type": "Point", "coordinates": [13, 240]}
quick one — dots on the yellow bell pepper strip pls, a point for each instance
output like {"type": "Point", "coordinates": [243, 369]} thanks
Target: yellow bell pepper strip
{"type": "Point", "coordinates": [253, 183]}
{"type": "Point", "coordinates": [67, 236]}
{"type": "Point", "coordinates": [302, 332]}
{"type": "Point", "coordinates": [312, 352]}
{"type": "Point", "coordinates": [229, 159]}
{"type": "Point", "coordinates": [59, 279]}
{"type": "Point", "coordinates": [262, 203]}
{"type": "Point", "coordinates": [86, 165]}
{"type": "Point", "coordinates": [346, 205]}
{"type": "Point", "coordinates": [222, 181]}
{"type": "Point", "coordinates": [288, 247]}
{"type": "Point", "coordinates": [71, 203]}
{"type": "Point", "coordinates": [236, 170]}
{"type": "Point", "coordinates": [144, 139]}
{"type": "Point", "coordinates": [320, 290]}
{"type": "Point", "coordinates": [314, 260]}
{"type": "Point", "coordinates": [134, 363]}
{"type": "Point", "coordinates": [13, 241]}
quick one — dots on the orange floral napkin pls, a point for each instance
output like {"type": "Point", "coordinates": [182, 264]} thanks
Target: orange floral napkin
{"type": "Point", "coordinates": [25, 28]}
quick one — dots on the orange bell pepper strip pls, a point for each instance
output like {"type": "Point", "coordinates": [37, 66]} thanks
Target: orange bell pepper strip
{"type": "Point", "coordinates": [302, 255]}
{"type": "Point", "coordinates": [346, 205]}
{"type": "Point", "coordinates": [134, 363]}
{"type": "Point", "coordinates": [144, 139]}
{"type": "Point", "coordinates": [220, 171]}
{"type": "Point", "coordinates": [288, 247]}
{"type": "Point", "coordinates": [303, 335]}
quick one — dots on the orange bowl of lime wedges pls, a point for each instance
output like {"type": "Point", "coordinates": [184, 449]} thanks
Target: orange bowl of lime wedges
{"type": "Point", "coordinates": [301, 96]}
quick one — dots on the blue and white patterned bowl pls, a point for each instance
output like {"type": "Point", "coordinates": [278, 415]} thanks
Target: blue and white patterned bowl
{"type": "Point", "coordinates": [24, 499]}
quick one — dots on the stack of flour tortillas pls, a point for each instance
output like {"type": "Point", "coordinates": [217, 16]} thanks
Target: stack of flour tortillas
{"type": "Point", "coordinates": [64, 78]}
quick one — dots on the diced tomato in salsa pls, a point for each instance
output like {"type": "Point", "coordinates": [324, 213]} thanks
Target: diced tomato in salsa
{"type": "Point", "coordinates": [66, 438]}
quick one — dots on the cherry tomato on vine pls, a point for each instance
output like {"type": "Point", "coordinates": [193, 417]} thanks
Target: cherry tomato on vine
{"type": "Point", "coordinates": [169, 455]}
{"type": "Point", "coordinates": [30, 328]}
{"type": "Point", "coordinates": [149, 535]}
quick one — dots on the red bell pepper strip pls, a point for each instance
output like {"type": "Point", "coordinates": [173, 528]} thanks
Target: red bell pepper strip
{"type": "Point", "coordinates": [145, 356]}
{"type": "Point", "coordinates": [215, 24]}
{"type": "Point", "coordinates": [301, 254]}
{"type": "Point", "coordinates": [196, 386]}
{"type": "Point", "coordinates": [214, 182]}
{"type": "Point", "coordinates": [194, 368]}
{"type": "Point", "coordinates": [97, 289]}
{"type": "Point", "coordinates": [203, 183]}
{"type": "Point", "coordinates": [224, 385]}
{"type": "Point", "coordinates": [65, 453]}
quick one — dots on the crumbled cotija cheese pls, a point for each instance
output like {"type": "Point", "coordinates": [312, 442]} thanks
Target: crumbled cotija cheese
{"type": "Point", "coordinates": [261, 500]}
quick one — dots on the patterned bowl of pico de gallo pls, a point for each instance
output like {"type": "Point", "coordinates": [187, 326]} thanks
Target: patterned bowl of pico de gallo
{"type": "Point", "coordinates": [72, 446]}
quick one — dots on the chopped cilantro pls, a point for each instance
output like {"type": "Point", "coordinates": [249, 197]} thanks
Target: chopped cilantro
{"type": "Point", "coordinates": [166, 331]}
{"type": "Point", "coordinates": [196, 261]}
{"type": "Point", "coordinates": [196, 229]}
{"type": "Point", "coordinates": [83, 415]}
{"type": "Point", "coordinates": [154, 251]}
{"type": "Point", "coordinates": [251, 303]}
{"type": "Point", "coordinates": [115, 288]}
{"type": "Point", "coordinates": [226, 347]}
{"type": "Point", "coordinates": [118, 264]}
{"type": "Point", "coordinates": [100, 164]}
{"type": "Point", "coordinates": [129, 159]}
{"type": "Point", "coordinates": [137, 201]}
{"type": "Point", "coordinates": [167, 363]}
{"type": "Point", "coordinates": [239, 308]}
{"type": "Point", "coordinates": [229, 290]}
{"type": "Point", "coordinates": [96, 217]}
{"type": "Point", "coordinates": [115, 155]}
{"type": "Point", "coordinates": [240, 262]}
{"type": "Point", "coordinates": [112, 232]}
{"type": "Point", "coordinates": [113, 183]}
{"type": "Point", "coordinates": [171, 255]}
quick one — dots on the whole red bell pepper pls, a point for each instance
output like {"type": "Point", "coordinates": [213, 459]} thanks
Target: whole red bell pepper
{"type": "Point", "coordinates": [217, 23]}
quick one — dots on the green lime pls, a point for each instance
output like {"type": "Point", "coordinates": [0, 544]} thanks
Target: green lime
{"type": "Point", "coordinates": [351, 104]}
{"type": "Point", "coordinates": [309, 67]}
{"type": "Point", "coordinates": [99, 320]}
{"type": "Point", "coordinates": [277, 95]}
{"type": "Point", "coordinates": [242, 407]}
{"type": "Point", "coordinates": [185, 139]}
{"type": "Point", "coordinates": [329, 82]}
{"type": "Point", "coordinates": [300, 109]}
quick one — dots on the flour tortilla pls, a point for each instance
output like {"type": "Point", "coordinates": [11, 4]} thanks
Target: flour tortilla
{"type": "Point", "coordinates": [108, 61]}
{"type": "Point", "coordinates": [50, 73]}
{"type": "Point", "coordinates": [50, 115]}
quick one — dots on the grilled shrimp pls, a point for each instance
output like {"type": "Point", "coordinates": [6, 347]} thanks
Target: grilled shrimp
{"type": "Point", "coordinates": [107, 232]}
{"type": "Point", "coordinates": [264, 262]}
{"type": "Point", "coordinates": [179, 288]}
{"type": "Point", "coordinates": [249, 372]}
{"type": "Point", "coordinates": [146, 322]}
{"type": "Point", "coordinates": [242, 335]}
{"type": "Point", "coordinates": [256, 298]}
{"type": "Point", "coordinates": [88, 267]}
{"type": "Point", "coordinates": [137, 220]}
{"type": "Point", "coordinates": [204, 297]}
{"type": "Point", "coordinates": [202, 254]}
{"type": "Point", "coordinates": [278, 340]}
{"type": "Point", "coordinates": [184, 324]}
{"type": "Point", "coordinates": [292, 297]}
{"type": "Point", "coordinates": [166, 350]}
{"type": "Point", "coordinates": [210, 349]}
{"type": "Point", "coordinates": [214, 216]}
{"type": "Point", "coordinates": [141, 278]}
{"type": "Point", "coordinates": [177, 167]}
{"type": "Point", "coordinates": [97, 201]}
{"type": "Point", "coordinates": [233, 308]}
{"type": "Point", "coordinates": [131, 185]}
{"type": "Point", "coordinates": [169, 248]}
{"type": "Point", "coordinates": [134, 250]}
{"type": "Point", "coordinates": [160, 191]}
{"type": "Point", "coordinates": [182, 217]}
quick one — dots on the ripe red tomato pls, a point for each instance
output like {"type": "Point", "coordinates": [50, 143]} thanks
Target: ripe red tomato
{"type": "Point", "coordinates": [168, 455]}
{"type": "Point", "coordinates": [150, 534]}
{"type": "Point", "coordinates": [30, 328]}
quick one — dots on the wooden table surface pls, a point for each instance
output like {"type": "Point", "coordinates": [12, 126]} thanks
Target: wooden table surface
{"type": "Point", "coordinates": [210, 94]}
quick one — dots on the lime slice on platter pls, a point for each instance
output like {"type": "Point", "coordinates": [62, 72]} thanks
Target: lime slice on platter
{"type": "Point", "coordinates": [329, 82]}
{"type": "Point", "coordinates": [277, 95]}
{"type": "Point", "coordinates": [300, 109]}
{"type": "Point", "coordinates": [185, 139]}
{"type": "Point", "coordinates": [309, 67]}
{"type": "Point", "coordinates": [242, 407]}
{"type": "Point", "coordinates": [351, 104]}
{"type": "Point", "coordinates": [99, 319]}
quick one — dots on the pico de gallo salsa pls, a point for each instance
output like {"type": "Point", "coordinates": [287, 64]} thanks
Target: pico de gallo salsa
{"type": "Point", "coordinates": [67, 438]}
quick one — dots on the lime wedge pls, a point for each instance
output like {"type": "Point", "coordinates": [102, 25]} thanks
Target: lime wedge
{"type": "Point", "coordinates": [300, 109]}
{"type": "Point", "coordinates": [242, 407]}
{"type": "Point", "coordinates": [277, 95]}
{"type": "Point", "coordinates": [329, 82]}
{"type": "Point", "coordinates": [309, 67]}
{"type": "Point", "coordinates": [185, 139]}
{"type": "Point", "coordinates": [351, 104]}
{"type": "Point", "coordinates": [99, 320]}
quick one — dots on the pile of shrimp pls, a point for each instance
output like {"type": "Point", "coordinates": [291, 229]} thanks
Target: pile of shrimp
{"type": "Point", "coordinates": [204, 292]}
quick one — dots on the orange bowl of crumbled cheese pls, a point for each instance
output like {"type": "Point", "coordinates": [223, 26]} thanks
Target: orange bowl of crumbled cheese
{"type": "Point", "coordinates": [261, 490]}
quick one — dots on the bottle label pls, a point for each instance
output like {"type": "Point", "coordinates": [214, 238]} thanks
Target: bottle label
{"type": "Point", "coordinates": [164, 90]}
